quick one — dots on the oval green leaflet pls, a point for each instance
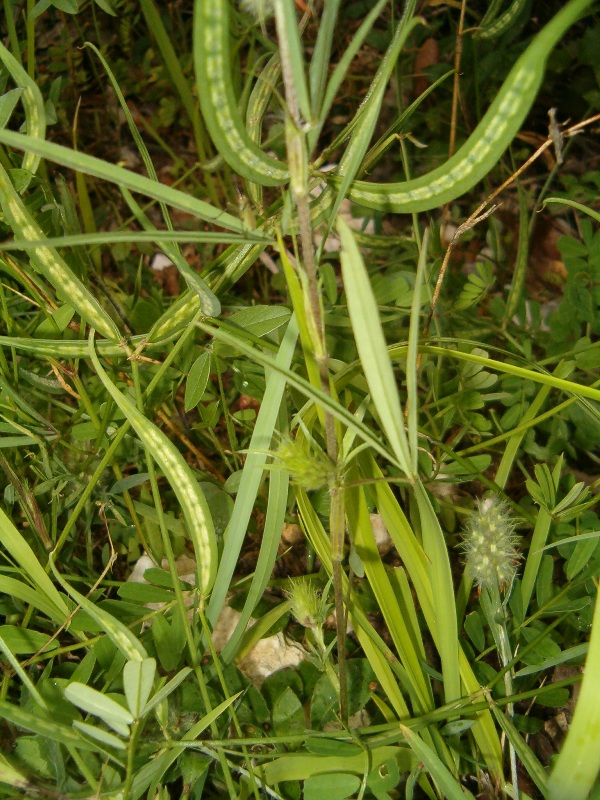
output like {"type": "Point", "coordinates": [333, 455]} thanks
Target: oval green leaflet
{"type": "Point", "coordinates": [193, 503]}
{"type": "Point", "coordinates": [217, 98]}
{"type": "Point", "coordinates": [489, 140]}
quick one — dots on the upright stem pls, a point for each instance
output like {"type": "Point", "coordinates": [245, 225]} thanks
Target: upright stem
{"type": "Point", "coordinates": [499, 626]}
{"type": "Point", "coordinates": [298, 165]}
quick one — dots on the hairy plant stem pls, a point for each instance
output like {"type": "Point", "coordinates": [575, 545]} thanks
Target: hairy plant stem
{"type": "Point", "coordinates": [298, 165]}
{"type": "Point", "coordinates": [337, 527]}
{"type": "Point", "coordinates": [495, 612]}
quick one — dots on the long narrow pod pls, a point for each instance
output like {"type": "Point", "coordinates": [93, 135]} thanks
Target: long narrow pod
{"type": "Point", "coordinates": [484, 147]}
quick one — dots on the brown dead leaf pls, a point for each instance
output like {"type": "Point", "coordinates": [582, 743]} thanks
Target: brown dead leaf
{"type": "Point", "coordinates": [427, 55]}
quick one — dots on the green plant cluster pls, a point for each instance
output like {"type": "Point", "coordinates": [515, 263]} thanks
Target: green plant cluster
{"type": "Point", "coordinates": [240, 300]}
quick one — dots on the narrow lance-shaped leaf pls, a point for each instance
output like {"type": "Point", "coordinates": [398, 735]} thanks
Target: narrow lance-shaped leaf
{"type": "Point", "coordinates": [90, 165]}
{"type": "Point", "coordinates": [372, 347]}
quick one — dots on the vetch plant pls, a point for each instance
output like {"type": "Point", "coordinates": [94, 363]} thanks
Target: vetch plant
{"type": "Point", "coordinates": [190, 429]}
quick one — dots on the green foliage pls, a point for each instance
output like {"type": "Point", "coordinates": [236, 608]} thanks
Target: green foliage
{"type": "Point", "coordinates": [306, 376]}
{"type": "Point", "coordinates": [579, 311]}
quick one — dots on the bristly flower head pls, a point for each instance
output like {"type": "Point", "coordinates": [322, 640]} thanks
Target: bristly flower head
{"type": "Point", "coordinates": [490, 544]}
{"type": "Point", "coordinates": [308, 606]}
{"type": "Point", "coordinates": [308, 465]}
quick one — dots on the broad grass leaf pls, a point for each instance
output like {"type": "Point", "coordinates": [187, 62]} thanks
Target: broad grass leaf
{"type": "Point", "coordinates": [36, 598]}
{"type": "Point", "coordinates": [191, 499]}
{"type": "Point", "coordinates": [299, 767]}
{"type": "Point", "coordinates": [54, 731]}
{"type": "Point", "coordinates": [21, 641]}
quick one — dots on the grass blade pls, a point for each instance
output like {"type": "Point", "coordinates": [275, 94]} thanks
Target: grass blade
{"type": "Point", "coordinates": [451, 788]}
{"type": "Point", "coordinates": [90, 165]}
{"type": "Point", "coordinates": [253, 471]}
{"type": "Point", "coordinates": [578, 763]}
{"type": "Point", "coordinates": [50, 264]}
{"type": "Point", "coordinates": [372, 347]}
{"type": "Point", "coordinates": [290, 49]}
{"type": "Point", "coordinates": [22, 553]}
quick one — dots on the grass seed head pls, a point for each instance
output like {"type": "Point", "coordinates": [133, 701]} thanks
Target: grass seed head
{"type": "Point", "coordinates": [308, 606]}
{"type": "Point", "coordinates": [490, 544]}
{"type": "Point", "coordinates": [309, 467]}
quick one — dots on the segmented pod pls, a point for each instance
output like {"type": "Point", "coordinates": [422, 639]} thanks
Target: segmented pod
{"type": "Point", "coordinates": [64, 349]}
{"type": "Point", "coordinates": [218, 102]}
{"type": "Point", "coordinates": [193, 503]}
{"type": "Point", "coordinates": [503, 23]}
{"type": "Point", "coordinates": [33, 103]}
{"type": "Point", "coordinates": [489, 140]}
{"type": "Point", "coordinates": [257, 105]}
{"type": "Point", "coordinates": [50, 264]}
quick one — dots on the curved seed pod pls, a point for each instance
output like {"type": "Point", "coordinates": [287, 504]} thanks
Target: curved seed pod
{"type": "Point", "coordinates": [491, 13]}
{"type": "Point", "coordinates": [218, 102]}
{"type": "Point", "coordinates": [503, 23]}
{"type": "Point", "coordinates": [193, 503]}
{"type": "Point", "coordinates": [257, 105]}
{"type": "Point", "coordinates": [64, 349]}
{"type": "Point", "coordinates": [33, 103]}
{"type": "Point", "coordinates": [50, 264]}
{"type": "Point", "coordinates": [489, 140]}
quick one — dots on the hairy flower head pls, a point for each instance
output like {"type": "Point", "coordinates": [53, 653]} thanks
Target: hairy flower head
{"type": "Point", "coordinates": [490, 544]}
{"type": "Point", "coordinates": [309, 466]}
{"type": "Point", "coordinates": [307, 604]}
